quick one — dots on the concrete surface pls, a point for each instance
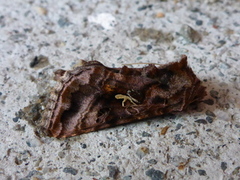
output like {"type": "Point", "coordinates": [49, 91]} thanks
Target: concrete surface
{"type": "Point", "coordinates": [200, 144]}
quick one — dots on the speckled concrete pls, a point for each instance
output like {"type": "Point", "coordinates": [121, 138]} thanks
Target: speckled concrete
{"type": "Point", "coordinates": [199, 144]}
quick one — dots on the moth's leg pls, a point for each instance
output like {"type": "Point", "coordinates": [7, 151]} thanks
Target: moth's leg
{"type": "Point", "coordinates": [125, 98]}
{"type": "Point", "coordinates": [132, 99]}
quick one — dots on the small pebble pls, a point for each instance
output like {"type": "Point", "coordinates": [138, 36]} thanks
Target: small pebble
{"type": "Point", "coordinates": [223, 115]}
{"type": "Point", "coordinates": [236, 171]}
{"type": "Point", "coordinates": [146, 34]}
{"type": "Point", "coordinates": [164, 130]}
{"type": "Point", "coordinates": [15, 119]}
{"type": "Point", "coordinates": [145, 134]}
{"type": "Point", "coordinates": [234, 59]}
{"type": "Point", "coordinates": [18, 37]}
{"type": "Point", "coordinates": [152, 161]}
{"type": "Point", "coordinates": [192, 132]}
{"type": "Point", "coordinates": [29, 144]}
{"type": "Point", "coordinates": [27, 30]}
{"type": "Point", "coordinates": [101, 144]}
{"type": "Point", "coordinates": [237, 126]}
{"type": "Point", "coordinates": [236, 117]}
{"type": "Point", "coordinates": [178, 126]}
{"type": "Point", "coordinates": [199, 22]}
{"type": "Point", "coordinates": [195, 9]}
{"type": "Point", "coordinates": [140, 142]}
{"type": "Point", "coordinates": [211, 67]}
{"type": "Point", "coordinates": [41, 10]}
{"type": "Point", "coordinates": [155, 174]}
{"type": "Point", "coordinates": [144, 7]}
{"type": "Point", "coordinates": [224, 66]}
{"type": "Point", "coordinates": [34, 62]}
{"type": "Point", "coordinates": [189, 34]}
{"type": "Point", "coordinates": [70, 170]}
{"type": "Point", "coordinates": [127, 177]}
{"type": "Point", "coordinates": [177, 137]}
{"type": "Point", "coordinates": [236, 24]}
{"type": "Point", "coordinates": [223, 166]}
{"type": "Point", "coordinates": [221, 43]}
{"type": "Point", "coordinates": [160, 15]}
{"type": "Point", "coordinates": [113, 171]}
{"type": "Point", "coordinates": [210, 113]}
{"type": "Point", "coordinates": [209, 119]}
{"type": "Point", "coordinates": [59, 43]}
{"type": "Point", "coordinates": [84, 146]}
{"type": "Point", "coordinates": [33, 142]}
{"type": "Point", "coordinates": [202, 172]}
{"type": "Point", "coordinates": [2, 21]}
{"type": "Point", "coordinates": [33, 173]}
{"type": "Point", "coordinates": [142, 151]}
{"type": "Point", "coordinates": [201, 121]}
{"type": "Point", "coordinates": [149, 47]}
{"type": "Point", "coordinates": [61, 154]}
{"type": "Point", "coordinates": [92, 160]}
{"type": "Point", "coordinates": [39, 62]}
{"type": "Point", "coordinates": [63, 22]}
{"type": "Point", "coordinates": [23, 156]}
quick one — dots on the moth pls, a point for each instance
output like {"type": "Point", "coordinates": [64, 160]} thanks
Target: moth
{"type": "Point", "coordinates": [94, 97]}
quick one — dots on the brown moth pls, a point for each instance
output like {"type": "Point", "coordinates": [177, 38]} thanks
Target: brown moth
{"type": "Point", "coordinates": [94, 97]}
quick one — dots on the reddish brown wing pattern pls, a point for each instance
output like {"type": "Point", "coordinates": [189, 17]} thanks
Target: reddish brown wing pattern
{"type": "Point", "coordinates": [94, 97]}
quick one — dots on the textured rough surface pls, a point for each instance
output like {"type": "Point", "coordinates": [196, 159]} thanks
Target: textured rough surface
{"type": "Point", "coordinates": [39, 37]}
{"type": "Point", "coordinates": [92, 97]}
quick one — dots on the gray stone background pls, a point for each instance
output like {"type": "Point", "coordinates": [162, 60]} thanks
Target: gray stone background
{"type": "Point", "coordinates": [39, 37]}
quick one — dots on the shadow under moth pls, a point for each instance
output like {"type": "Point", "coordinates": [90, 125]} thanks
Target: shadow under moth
{"type": "Point", "coordinates": [94, 97]}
